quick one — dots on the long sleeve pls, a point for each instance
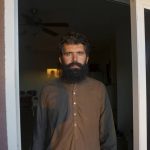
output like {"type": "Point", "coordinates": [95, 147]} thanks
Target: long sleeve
{"type": "Point", "coordinates": [107, 129]}
{"type": "Point", "coordinates": [40, 129]}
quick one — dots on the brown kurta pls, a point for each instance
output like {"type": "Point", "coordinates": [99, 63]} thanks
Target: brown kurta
{"type": "Point", "coordinates": [74, 117]}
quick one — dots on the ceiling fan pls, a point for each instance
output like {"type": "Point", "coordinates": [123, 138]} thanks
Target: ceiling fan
{"type": "Point", "coordinates": [33, 19]}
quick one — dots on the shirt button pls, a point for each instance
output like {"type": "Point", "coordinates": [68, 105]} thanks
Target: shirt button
{"type": "Point", "coordinates": [75, 124]}
{"type": "Point", "coordinates": [74, 93]}
{"type": "Point", "coordinates": [74, 103]}
{"type": "Point", "coordinates": [74, 114]}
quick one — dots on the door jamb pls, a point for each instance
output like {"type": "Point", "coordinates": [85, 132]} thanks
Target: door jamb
{"type": "Point", "coordinates": [12, 74]}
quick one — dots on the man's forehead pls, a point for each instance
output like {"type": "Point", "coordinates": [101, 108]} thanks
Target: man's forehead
{"type": "Point", "coordinates": [79, 46]}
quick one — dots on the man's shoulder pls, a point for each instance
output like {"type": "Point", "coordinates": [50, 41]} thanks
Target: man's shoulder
{"type": "Point", "coordinates": [54, 81]}
{"type": "Point", "coordinates": [95, 82]}
{"type": "Point", "coordinates": [52, 84]}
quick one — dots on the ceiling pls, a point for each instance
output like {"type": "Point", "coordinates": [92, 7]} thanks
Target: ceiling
{"type": "Point", "coordinates": [98, 19]}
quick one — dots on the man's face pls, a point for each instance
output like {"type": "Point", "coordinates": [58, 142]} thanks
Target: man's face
{"type": "Point", "coordinates": [74, 62]}
{"type": "Point", "coordinates": [74, 53]}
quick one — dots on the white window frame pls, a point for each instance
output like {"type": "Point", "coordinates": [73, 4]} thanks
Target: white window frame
{"type": "Point", "coordinates": [138, 64]}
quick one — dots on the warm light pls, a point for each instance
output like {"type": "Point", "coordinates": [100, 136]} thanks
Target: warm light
{"type": "Point", "coordinates": [53, 73]}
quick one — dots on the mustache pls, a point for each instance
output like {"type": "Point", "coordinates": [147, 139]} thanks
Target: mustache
{"type": "Point", "coordinates": [74, 63]}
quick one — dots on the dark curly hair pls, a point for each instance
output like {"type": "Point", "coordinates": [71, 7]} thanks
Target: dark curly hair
{"type": "Point", "coordinates": [74, 38]}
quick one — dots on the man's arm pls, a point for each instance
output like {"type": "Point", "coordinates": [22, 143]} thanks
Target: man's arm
{"type": "Point", "coordinates": [107, 129]}
{"type": "Point", "coordinates": [39, 133]}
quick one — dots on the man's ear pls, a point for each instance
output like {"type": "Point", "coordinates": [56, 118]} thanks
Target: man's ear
{"type": "Point", "coordinates": [60, 60]}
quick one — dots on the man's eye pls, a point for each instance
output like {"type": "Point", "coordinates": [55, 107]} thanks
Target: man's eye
{"type": "Point", "coordinates": [67, 54]}
{"type": "Point", "coordinates": [81, 53]}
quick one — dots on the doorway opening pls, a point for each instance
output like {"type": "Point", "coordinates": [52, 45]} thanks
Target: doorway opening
{"type": "Point", "coordinates": [107, 24]}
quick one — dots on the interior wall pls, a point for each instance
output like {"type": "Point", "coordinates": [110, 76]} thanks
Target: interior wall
{"type": "Point", "coordinates": [3, 130]}
{"type": "Point", "coordinates": [33, 67]}
{"type": "Point", "coordinates": [124, 80]}
{"type": "Point", "coordinates": [32, 80]}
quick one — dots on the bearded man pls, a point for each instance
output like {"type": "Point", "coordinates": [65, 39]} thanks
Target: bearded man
{"type": "Point", "coordinates": [74, 111]}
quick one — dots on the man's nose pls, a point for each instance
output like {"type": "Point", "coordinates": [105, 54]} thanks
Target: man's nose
{"type": "Point", "coordinates": [74, 57]}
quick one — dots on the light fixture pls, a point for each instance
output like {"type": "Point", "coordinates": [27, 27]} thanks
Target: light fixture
{"type": "Point", "coordinates": [53, 72]}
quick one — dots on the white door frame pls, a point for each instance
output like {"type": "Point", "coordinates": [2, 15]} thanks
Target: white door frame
{"type": "Point", "coordinates": [12, 74]}
{"type": "Point", "coordinates": [139, 73]}
{"type": "Point", "coordinates": [138, 64]}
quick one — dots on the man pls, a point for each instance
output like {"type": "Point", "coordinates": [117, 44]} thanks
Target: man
{"type": "Point", "coordinates": [74, 112]}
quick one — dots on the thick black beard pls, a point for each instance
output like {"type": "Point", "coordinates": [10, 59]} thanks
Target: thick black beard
{"type": "Point", "coordinates": [74, 75]}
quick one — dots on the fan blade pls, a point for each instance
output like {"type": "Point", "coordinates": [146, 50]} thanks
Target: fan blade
{"type": "Point", "coordinates": [29, 19]}
{"type": "Point", "coordinates": [55, 24]}
{"type": "Point", "coordinates": [126, 2]}
{"type": "Point", "coordinates": [32, 20]}
{"type": "Point", "coordinates": [48, 31]}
